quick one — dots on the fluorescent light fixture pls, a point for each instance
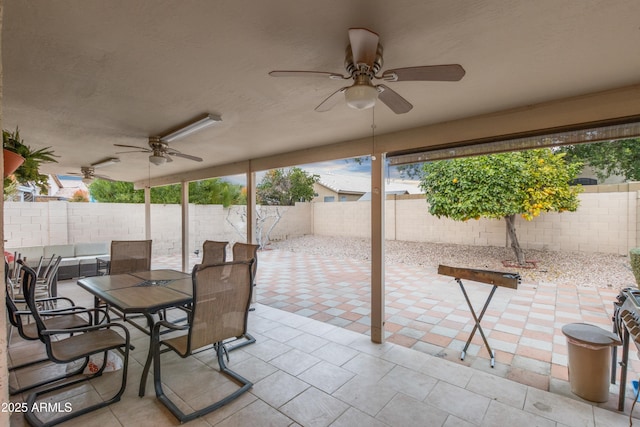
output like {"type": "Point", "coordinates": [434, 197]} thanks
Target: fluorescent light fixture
{"type": "Point", "coordinates": [194, 126]}
{"type": "Point", "coordinates": [106, 162]}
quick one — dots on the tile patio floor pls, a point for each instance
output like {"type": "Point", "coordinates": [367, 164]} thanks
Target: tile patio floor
{"type": "Point", "coordinates": [427, 312]}
{"type": "Point", "coordinates": [314, 365]}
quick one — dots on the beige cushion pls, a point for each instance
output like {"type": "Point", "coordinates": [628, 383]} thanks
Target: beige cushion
{"type": "Point", "coordinates": [31, 253]}
{"type": "Point", "coordinates": [96, 249]}
{"type": "Point", "coordinates": [65, 251]}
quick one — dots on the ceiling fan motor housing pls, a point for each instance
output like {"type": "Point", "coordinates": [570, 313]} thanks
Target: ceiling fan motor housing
{"type": "Point", "coordinates": [354, 70]}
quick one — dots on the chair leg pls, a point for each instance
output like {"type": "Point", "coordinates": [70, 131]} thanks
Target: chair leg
{"type": "Point", "coordinates": [248, 339]}
{"type": "Point", "coordinates": [33, 420]}
{"type": "Point", "coordinates": [14, 391]}
{"type": "Point", "coordinates": [245, 385]}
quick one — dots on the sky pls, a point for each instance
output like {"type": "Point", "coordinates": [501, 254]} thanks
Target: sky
{"type": "Point", "coordinates": [361, 166]}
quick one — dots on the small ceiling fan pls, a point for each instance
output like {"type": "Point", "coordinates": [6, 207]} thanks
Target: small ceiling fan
{"type": "Point", "coordinates": [160, 152]}
{"type": "Point", "coordinates": [363, 62]}
{"type": "Point", "coordinates": [88, 174]}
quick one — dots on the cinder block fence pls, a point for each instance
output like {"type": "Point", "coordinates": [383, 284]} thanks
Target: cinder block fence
{"type": "Point", "coordinates": [607, 221]}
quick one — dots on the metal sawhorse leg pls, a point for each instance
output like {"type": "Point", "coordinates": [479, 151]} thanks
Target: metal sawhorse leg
{"type": "Point", "coordinates": [477, 326]}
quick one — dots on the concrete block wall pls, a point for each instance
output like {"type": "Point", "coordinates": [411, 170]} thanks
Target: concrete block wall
{"type": "Point", "coordinates": [608, 220]}
{"type": "Point", "coordinates": [350, 219]}
{"type": "Point", "coordinates": [26, 224]}
{"type": "Point", "coordinates": [92, 222]}
{"type": "Point", "coordinates": [415, 224]}
{"type": "Point", "coordinates": [41, 224]}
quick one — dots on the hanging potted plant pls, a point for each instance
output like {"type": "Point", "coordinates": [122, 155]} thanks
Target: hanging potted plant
{"type": "Point", "coordinates": [28, 169]}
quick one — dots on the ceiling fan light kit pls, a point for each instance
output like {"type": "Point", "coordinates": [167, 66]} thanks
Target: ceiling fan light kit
{"type": "Point", "coordinates": [192, 127]}
{"type": "Point", "coordinates": [157, 160]}
{"type": "Point", "coordinates": [363, 62]}
{"type": "Point", "coordinates": [361, 97]}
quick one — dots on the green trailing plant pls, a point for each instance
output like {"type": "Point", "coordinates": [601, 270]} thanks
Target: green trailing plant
{"type": "Point", "coordinates": [29, 171]}
{"type": "Point", "coordinates": [634, 258]}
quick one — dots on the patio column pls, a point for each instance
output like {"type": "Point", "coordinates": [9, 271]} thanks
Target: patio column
{"type": "Point", "coordinates": [185, 226]}
{"type": "Point", "coordinates": [251, 205]}
{"type": "Point", "coordinates": [147, 213]}
{"type": "Point", "coordinates": [377, 246]}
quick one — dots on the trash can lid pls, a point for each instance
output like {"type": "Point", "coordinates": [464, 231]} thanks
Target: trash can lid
{"type": "Point", "coordinates": [590, 334]}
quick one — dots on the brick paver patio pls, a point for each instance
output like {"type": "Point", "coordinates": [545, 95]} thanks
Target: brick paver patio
{"type": "Point", "coordinates": [427, 312]}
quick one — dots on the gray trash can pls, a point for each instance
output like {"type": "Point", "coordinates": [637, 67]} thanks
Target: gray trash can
{"type": "Point", "coordinates": [589, 364]}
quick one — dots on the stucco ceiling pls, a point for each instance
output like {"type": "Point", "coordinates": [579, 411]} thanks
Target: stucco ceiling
{"type": "Point", "coordinates": [82, 75]}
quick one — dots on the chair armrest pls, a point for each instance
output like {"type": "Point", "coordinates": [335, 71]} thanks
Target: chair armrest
{"type": "Point", "coordinates": [91, 312]}
{"type": "Point", "coordinates": [88, 329]}
{"type": "Point", "coordinates": [70, 301]}
{"type": "Point", "coordinates": [168, 325]}
{"type": "Point", "coordinates": [54, 311]}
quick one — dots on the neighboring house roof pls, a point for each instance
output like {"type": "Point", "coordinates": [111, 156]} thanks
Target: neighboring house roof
{"type": "Point", "coordinates": [361, 184]}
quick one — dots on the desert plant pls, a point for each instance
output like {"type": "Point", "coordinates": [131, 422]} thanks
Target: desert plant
{"type": "Point", "coordinates": [29, 171]}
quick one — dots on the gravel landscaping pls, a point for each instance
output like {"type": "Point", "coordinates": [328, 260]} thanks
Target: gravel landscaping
{"type": "Point", "coordinates": [580, 269]}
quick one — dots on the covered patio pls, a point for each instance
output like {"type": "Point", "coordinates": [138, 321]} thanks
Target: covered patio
{"type": "Point", "coordinates": [82, 76]}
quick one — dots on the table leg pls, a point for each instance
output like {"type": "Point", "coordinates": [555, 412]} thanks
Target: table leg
{"type": "Point", "coordinates": [477, 320]}
{"type": "Point", "coordinates": [147, 364]}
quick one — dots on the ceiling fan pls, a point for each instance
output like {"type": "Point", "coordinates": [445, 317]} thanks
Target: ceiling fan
{"type": "Point", "coordinates": [88, 174]}
{"type": "Point", "coordinates": [363, 62]}
{"type": "Point", "coordinates": [160, 152]}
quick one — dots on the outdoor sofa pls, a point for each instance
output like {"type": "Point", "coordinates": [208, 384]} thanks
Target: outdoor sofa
{"type": "Point", "coordinates": [78, 260]}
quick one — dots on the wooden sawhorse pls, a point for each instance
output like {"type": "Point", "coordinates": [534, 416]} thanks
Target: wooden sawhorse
{"type": "Point", "coordinates": [495, 278]}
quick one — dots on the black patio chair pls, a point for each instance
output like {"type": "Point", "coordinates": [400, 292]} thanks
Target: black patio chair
{"type": "Point", "coordinates": [63, 348]}
{"type": "Point", "coordinates": [214, 252]}
{"type": "Point", "coordinates": [220, 308]}
{"type": "Point", "coordinates": [130, 256]}
{"type": "Point", "coordinates": [21, 320]}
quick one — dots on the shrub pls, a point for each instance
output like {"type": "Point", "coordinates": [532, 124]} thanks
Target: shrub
{"type": "Point", "coordinates": [634, 255]}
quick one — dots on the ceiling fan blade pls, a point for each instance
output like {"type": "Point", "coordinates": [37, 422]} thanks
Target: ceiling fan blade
{"type": "Point", "coordinates": [441, 73]}
{"type": "Point", "coordinates": [308, 74]}
{"type": "Point", "coordinates": [184, 156]}
{"type": "Point", "coordinates": [131, 146]}
{"type": "Point", "coordinates": [393, 100]}
{"type": "Point", "coordinates": [134, 151]}
{"type": "Point", "coordinates": [364, 45]}
{"type": "Point", "coordinates": [330, 101]}
{"type": "Point", "coordinates": [105, 178]}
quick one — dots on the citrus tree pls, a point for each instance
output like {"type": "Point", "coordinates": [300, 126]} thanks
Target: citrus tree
{"type": "Point", "coordinates": [503, 185]}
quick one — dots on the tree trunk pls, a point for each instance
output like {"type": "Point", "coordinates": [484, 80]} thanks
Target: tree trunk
{"type": "Point", "coordinates": [515, 245]}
